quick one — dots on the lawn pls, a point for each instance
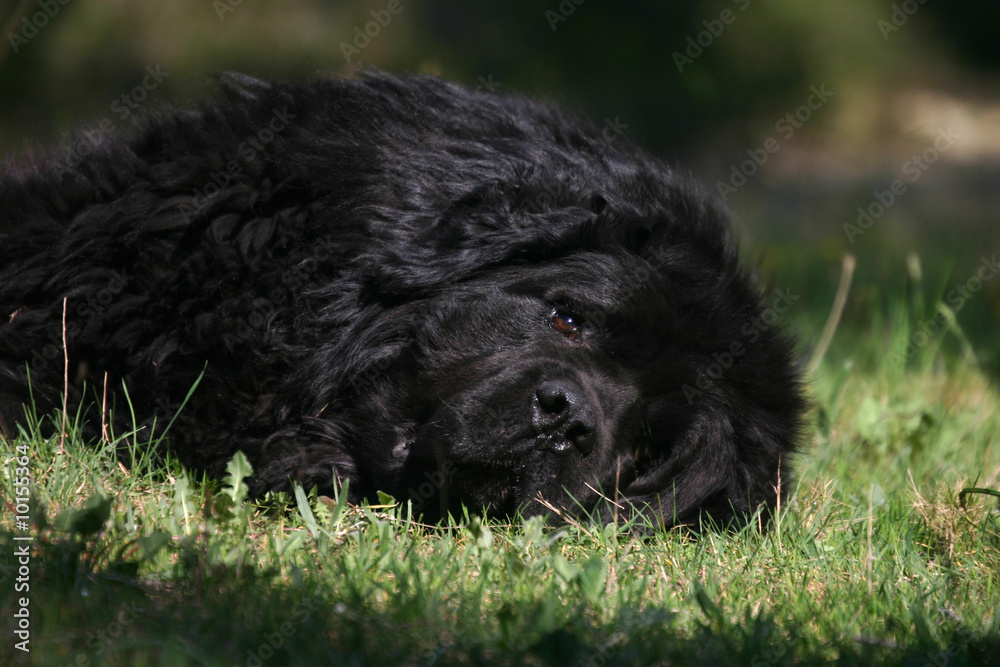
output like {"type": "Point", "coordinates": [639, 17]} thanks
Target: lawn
{"type": "Point", "coordinates": [887, 552]}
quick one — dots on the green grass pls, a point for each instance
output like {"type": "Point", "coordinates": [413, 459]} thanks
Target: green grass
{"type": "Point", "coordinates": [878, 558]}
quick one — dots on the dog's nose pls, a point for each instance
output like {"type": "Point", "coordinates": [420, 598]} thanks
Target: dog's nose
{"type": "Point", "coordinates": [561, 412]}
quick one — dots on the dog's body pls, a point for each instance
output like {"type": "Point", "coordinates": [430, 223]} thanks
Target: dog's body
{"type": "Point", "coordinates": [448, 296]}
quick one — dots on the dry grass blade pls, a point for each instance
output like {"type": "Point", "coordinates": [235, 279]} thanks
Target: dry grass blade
{"type": "Point", "coordinates": [848, 265]}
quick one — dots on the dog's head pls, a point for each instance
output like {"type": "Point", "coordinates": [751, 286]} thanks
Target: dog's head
{"type": "Point", "coordinates": [550, 318]}
{"type": "Point", "coordinates": [591, 358]}
{"type": "Point", "coordinates": [650, 380]}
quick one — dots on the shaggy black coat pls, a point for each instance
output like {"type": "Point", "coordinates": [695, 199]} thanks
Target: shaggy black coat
{"type": "Point", "coordinates": [450, 296]}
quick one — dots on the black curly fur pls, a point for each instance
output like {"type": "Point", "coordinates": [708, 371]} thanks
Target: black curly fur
{"type": "Point", "coordinates": [376, 277]}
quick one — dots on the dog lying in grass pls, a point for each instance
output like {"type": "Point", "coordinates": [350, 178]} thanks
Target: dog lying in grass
{"type": "Point", "coordinates": [453, 297]}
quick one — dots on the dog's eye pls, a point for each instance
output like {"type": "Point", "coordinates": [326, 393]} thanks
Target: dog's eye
{"type": "Point", "coordinates": [568, 325]}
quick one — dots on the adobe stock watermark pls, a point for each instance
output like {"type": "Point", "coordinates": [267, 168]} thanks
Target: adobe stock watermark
{"type": "Point", "coordinates": [130, 101]}
{"type": "Point", "coordinates": [22, 550]}
{"type": "Point", "coordinates": [86, 143]}
{"type": "Point", "coordinates": [299, 614]}
{"type": "Point", "coordinates": [943, 658]}
{"type": "Point", "coordinates": [913, 169]}
{"type": "Point", "coordinates": [446, 642]}
{"type": "Point", "coordinates": [264, 307]}
{"type": "Point", "coordinates": [248, 149]}
{"type": "Point", "coordinates": [773, 654]}
{"type": "Point", "coordinates": [33, 23]}
{"type": "Point", "coordinates": [363, 35]}
{"type": "Point", "coordinates": [786, 126]}
{"type": "Point", "coordinates": [223, 7]}
{"type": "Point", "coordinates": [561, 13]}
{"type": "Point", "coordinates": [101, 640]}
{"type": "Point", "coordinates": [955, 299]}
{"type": "Point", "coordinates": [656, 258]}
{"type": "Point", "coordinates": [605, 652]}
{"type": "Point", "coordinates": [612, 129]}
{"type": "Point", "coordinates": [88, 307]}
{"type": "Point", "coordinates": [486, 84]}
{"type": "Point", "coordinates": [750, 333]}
{"type": "Point", "coordinates": [696, 44]}
{"type": "Point", "coordinates": [434, 481]}
{"type": "Point", "coordinates": [901, 13]}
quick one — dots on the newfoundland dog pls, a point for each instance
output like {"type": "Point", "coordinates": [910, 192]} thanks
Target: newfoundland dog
{"type": "Point", "coordinates": [457, 298]}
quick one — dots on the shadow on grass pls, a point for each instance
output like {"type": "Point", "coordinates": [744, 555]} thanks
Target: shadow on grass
{"type": "Point", "coordinates": [211, 614]}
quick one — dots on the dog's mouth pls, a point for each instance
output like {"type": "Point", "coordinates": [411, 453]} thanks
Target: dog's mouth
{"type": "Point", "coordinates": [514, 435]}
{"type": "Point", "coordinates": [515, 463]}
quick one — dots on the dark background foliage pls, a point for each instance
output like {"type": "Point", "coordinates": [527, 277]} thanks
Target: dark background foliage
{"type": "Point", "coordinates": [698, 83]}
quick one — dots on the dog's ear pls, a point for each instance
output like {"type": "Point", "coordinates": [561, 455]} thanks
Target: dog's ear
{"type": "Point", "coordinates": [494, 223]}
{"type": "Point", "coordinates": [238, 86]}
{"type": "Point", "coordinates": [680, 232]}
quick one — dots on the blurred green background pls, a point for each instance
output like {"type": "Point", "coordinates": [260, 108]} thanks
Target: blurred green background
{"type": "Point", "coordinates": [706, 85]}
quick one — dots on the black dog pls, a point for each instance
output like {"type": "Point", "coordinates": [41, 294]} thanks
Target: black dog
{"type": "Point", "coordinates": [453, 297]}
